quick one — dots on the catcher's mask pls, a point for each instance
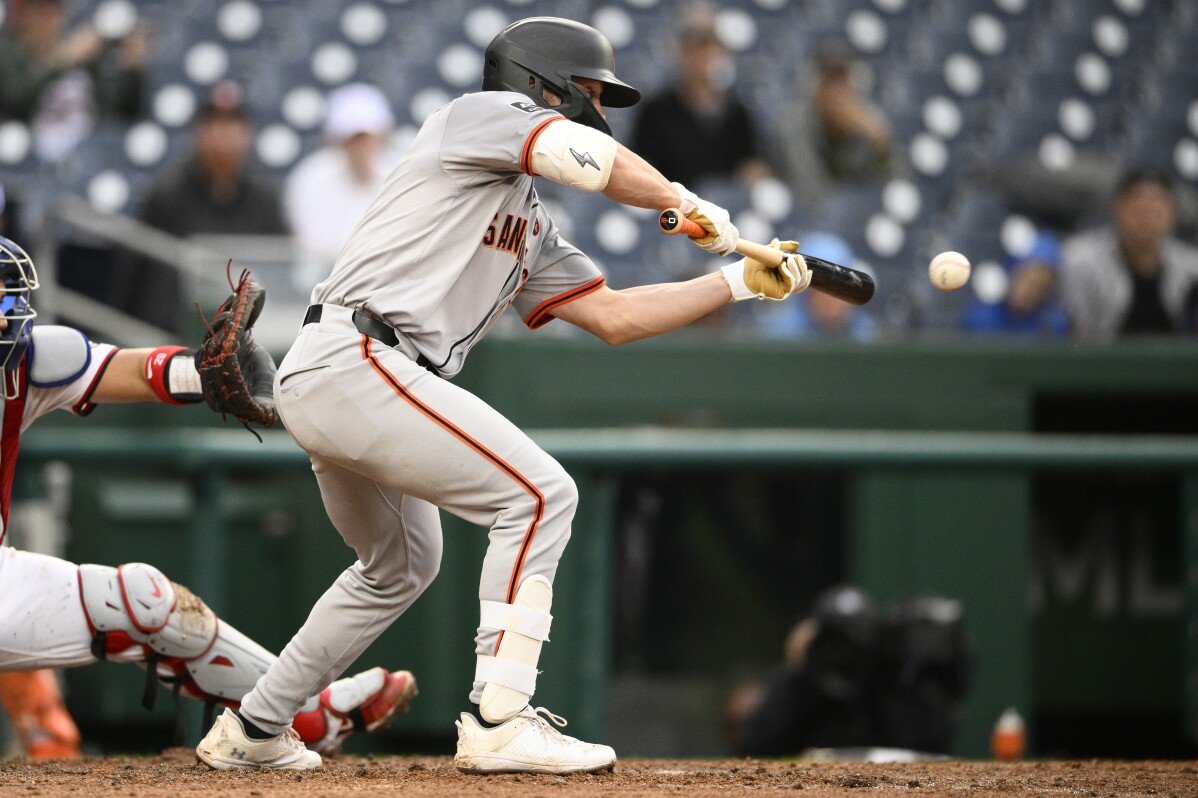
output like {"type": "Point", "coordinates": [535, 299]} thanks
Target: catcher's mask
{"type": "Point", "coordinates": [549, 53]}
{"type": "Point", "coordinates": [19, 279]}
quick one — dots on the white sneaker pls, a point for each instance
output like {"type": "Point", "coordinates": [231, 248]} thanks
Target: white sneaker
{"type": "Point", "coordinates": [526, 743]}
{"type": "Point", "coordinates": [227, 747]}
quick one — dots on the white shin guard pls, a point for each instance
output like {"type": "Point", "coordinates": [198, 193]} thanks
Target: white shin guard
{"type": "Point", "coordinates": [138, 615]}
{"type": "Point", "coordinates": [511, 675]}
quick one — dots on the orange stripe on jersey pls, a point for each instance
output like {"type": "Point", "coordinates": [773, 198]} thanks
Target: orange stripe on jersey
{"type": "Point", "coordinates": [530, 142]}
{"type": "Point", "coordinates": [494, 459]}
{"type": "Point", "coordinates": [541, 315]}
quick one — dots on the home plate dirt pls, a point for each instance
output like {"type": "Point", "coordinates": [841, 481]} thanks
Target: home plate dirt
{"type": "Point", "coordinates": [176, 774]}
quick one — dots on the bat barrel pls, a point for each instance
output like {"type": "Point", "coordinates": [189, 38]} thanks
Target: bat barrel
{"type": "Point", "coordinates": [844, 283]}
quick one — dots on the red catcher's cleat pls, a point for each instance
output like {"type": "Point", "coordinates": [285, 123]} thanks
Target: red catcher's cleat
{"type": "Point", "coordinates": [366, 702]}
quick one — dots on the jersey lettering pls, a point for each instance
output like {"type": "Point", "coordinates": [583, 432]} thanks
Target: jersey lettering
{"type": "Point", "coordinates": [510, 236]}
{"type": "Point", "coordinates": [506, 235]}
{"type": "Point", "coordinates": [526, 107]}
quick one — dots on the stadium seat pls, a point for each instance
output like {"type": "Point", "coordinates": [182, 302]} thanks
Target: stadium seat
{"type": "Point", "coordinates": [962, 84]}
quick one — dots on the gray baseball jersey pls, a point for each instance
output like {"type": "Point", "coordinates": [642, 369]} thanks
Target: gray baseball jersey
{"type": "Point", "coordinates": [457, 234]}
{"type": "Point", "coordinates": [455, 237]}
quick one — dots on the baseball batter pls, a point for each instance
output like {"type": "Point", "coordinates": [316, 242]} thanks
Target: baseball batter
{"type": "Point", "coordinates": [457, 235]}
{"type": "Point", "coordinates": [56, 614]}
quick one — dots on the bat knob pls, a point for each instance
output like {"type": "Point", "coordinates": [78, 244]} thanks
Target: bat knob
{"type": "Point", "coordinates": [670, 221]}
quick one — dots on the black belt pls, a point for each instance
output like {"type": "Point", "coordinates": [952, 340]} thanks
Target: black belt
{"type": "Point", "coordinates": [377, 329]}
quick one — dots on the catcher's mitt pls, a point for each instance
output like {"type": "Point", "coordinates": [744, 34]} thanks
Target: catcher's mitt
{"type": "Point", "coordinates": [237, 376]}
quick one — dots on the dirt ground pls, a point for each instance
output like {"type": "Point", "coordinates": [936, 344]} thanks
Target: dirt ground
{"type": "Point", "coordinates": [176, 774]}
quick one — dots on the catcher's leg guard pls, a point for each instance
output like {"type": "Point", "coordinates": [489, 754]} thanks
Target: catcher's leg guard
{"type": "Point", "coordinates": [41, 720]}
{"type": "Point", "coordinates": [511, 675]}
{"type": "Point", "coordinates": [137, 615]}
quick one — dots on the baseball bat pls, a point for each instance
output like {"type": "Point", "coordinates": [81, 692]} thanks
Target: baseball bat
{"type": "Point", "coordinates": [848, 285]}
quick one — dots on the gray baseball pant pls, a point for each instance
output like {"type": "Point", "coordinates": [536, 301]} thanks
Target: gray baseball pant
{"type": "Point", "coordinates": [390, 443]}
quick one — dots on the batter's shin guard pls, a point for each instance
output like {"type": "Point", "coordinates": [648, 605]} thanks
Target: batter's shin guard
{"type": "Point", "coordinates": [511, 675]}
{"type": "Point", "coordinates": [38, 716]}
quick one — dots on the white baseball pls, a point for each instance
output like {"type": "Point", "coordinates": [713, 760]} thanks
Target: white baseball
{"type": "Point", "coordinates": [948, 271]}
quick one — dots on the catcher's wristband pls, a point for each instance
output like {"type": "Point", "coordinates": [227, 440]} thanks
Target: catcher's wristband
{"type": "Point", "coordinates": [734, 275]}
{"type": "Point", "coordinates": [171, 373]}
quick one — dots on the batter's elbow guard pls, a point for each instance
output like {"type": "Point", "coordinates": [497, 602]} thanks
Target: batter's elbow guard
{"type": "Point", "coordinates": [574, 155]}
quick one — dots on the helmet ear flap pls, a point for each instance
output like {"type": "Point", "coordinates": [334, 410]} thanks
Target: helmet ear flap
{"type": "Point", "coordinates": [579, 108]}
{"type": "Point", "coordinates": [575, 105]}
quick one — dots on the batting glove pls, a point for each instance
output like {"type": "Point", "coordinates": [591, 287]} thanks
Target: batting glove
{"type": "Point", "coordinates": [752, 279]}
{"type": "Point", "coordinates": [722, 235]}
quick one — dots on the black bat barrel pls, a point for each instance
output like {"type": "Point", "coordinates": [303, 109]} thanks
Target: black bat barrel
{"type": "Point", "coordinates": [844, 283]}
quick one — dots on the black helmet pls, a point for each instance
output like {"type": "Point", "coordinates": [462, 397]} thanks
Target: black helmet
{"type": "Point", "coordinates": [552, 52]}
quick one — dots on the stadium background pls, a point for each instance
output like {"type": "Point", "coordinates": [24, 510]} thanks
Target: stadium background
{"type": "Point", "coordinates": [1074, 570]}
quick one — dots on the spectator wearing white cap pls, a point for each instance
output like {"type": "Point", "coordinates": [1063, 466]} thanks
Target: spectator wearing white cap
{"type": "Point", "coordinates": [329, 191]}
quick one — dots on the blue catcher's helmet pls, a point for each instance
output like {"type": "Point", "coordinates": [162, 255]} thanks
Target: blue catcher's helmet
{"type": "Point", "coordinates": [19, 279]}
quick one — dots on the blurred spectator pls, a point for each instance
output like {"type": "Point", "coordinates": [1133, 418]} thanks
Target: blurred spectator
{"type": "Point", "coordinates": [854, 678]}
{"type": "Point", "coordinates": [62, 82]}
{"type": "Point", "coordinates": [822, 695]}
{"type": "Point", "coordinates": [814, 314]}
{"type": "Point", "coordinates": [214, 192]}
{"type": "Point", "coordinates": [329, 191]}
{"type": "Point", "coordinates": [1132, 277]}
{"type": "Point", "coordinates": [926, 669]}
{"type": "Point", "coordinates": [697, 128]}
{"type": "Point", "coordinates": [1068, 197]}
{"type": "Point", "coordinates": [1032, 305]}
{"type": "Point", "coordinates": [832, 137]}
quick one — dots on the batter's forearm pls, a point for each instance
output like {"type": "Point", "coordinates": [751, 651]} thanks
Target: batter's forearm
{"type": "Point", "coordinates": [634, 181]}
{"type": "Point", "coordinates": [650, 310]}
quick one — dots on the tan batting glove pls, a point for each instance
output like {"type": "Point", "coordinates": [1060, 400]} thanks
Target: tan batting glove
{"type": "Point", "coordinates": [798, 264]}
{"type": "Point", "coordinates": [722, 235]}
{"type": "Point", "coordinates": [752, 279]}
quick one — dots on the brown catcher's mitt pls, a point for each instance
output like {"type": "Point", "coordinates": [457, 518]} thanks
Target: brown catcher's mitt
{"type": "Point", "coordinates": [237, 375]}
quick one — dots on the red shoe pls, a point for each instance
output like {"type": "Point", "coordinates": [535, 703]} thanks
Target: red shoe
{"type": "Point", "coordinates": [38, 715]}
{"type": "Point", "coordinates": [367, 702]}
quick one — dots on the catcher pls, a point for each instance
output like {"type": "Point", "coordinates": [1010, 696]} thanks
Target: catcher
{"type": "Point", "coordinates": [56, 614]}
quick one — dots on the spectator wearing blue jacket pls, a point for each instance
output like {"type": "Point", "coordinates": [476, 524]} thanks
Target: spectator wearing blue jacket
{"type": "Point", "coordinates": [1032, 305]}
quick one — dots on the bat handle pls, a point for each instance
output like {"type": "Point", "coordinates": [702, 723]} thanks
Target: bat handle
{"type": "Point", "coordinates": [672, 222]}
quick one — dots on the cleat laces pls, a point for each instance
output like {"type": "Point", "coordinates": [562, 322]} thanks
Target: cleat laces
{"type": "Point", "coordinates": [543, 718]}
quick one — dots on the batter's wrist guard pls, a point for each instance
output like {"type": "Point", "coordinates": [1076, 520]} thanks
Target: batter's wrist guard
{"type": "Point", "coordinates": [734, 276]}
{"type": "Point", "coordinates": [172, 375]}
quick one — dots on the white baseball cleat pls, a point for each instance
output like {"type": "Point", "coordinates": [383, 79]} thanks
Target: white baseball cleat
{"type": "Point", "coordinates": [526, 743]}
{"type": "Point", "coordinates": [227, 747]}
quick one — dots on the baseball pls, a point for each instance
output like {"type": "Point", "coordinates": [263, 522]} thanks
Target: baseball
{"type": "Point", "coordinates": [948, 271]}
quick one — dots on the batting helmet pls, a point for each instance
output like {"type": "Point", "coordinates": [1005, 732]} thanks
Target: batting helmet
{"type": "Point", "coordinates": [17, 279]}
{"type": "Point", "coordinates": [549, 53]}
